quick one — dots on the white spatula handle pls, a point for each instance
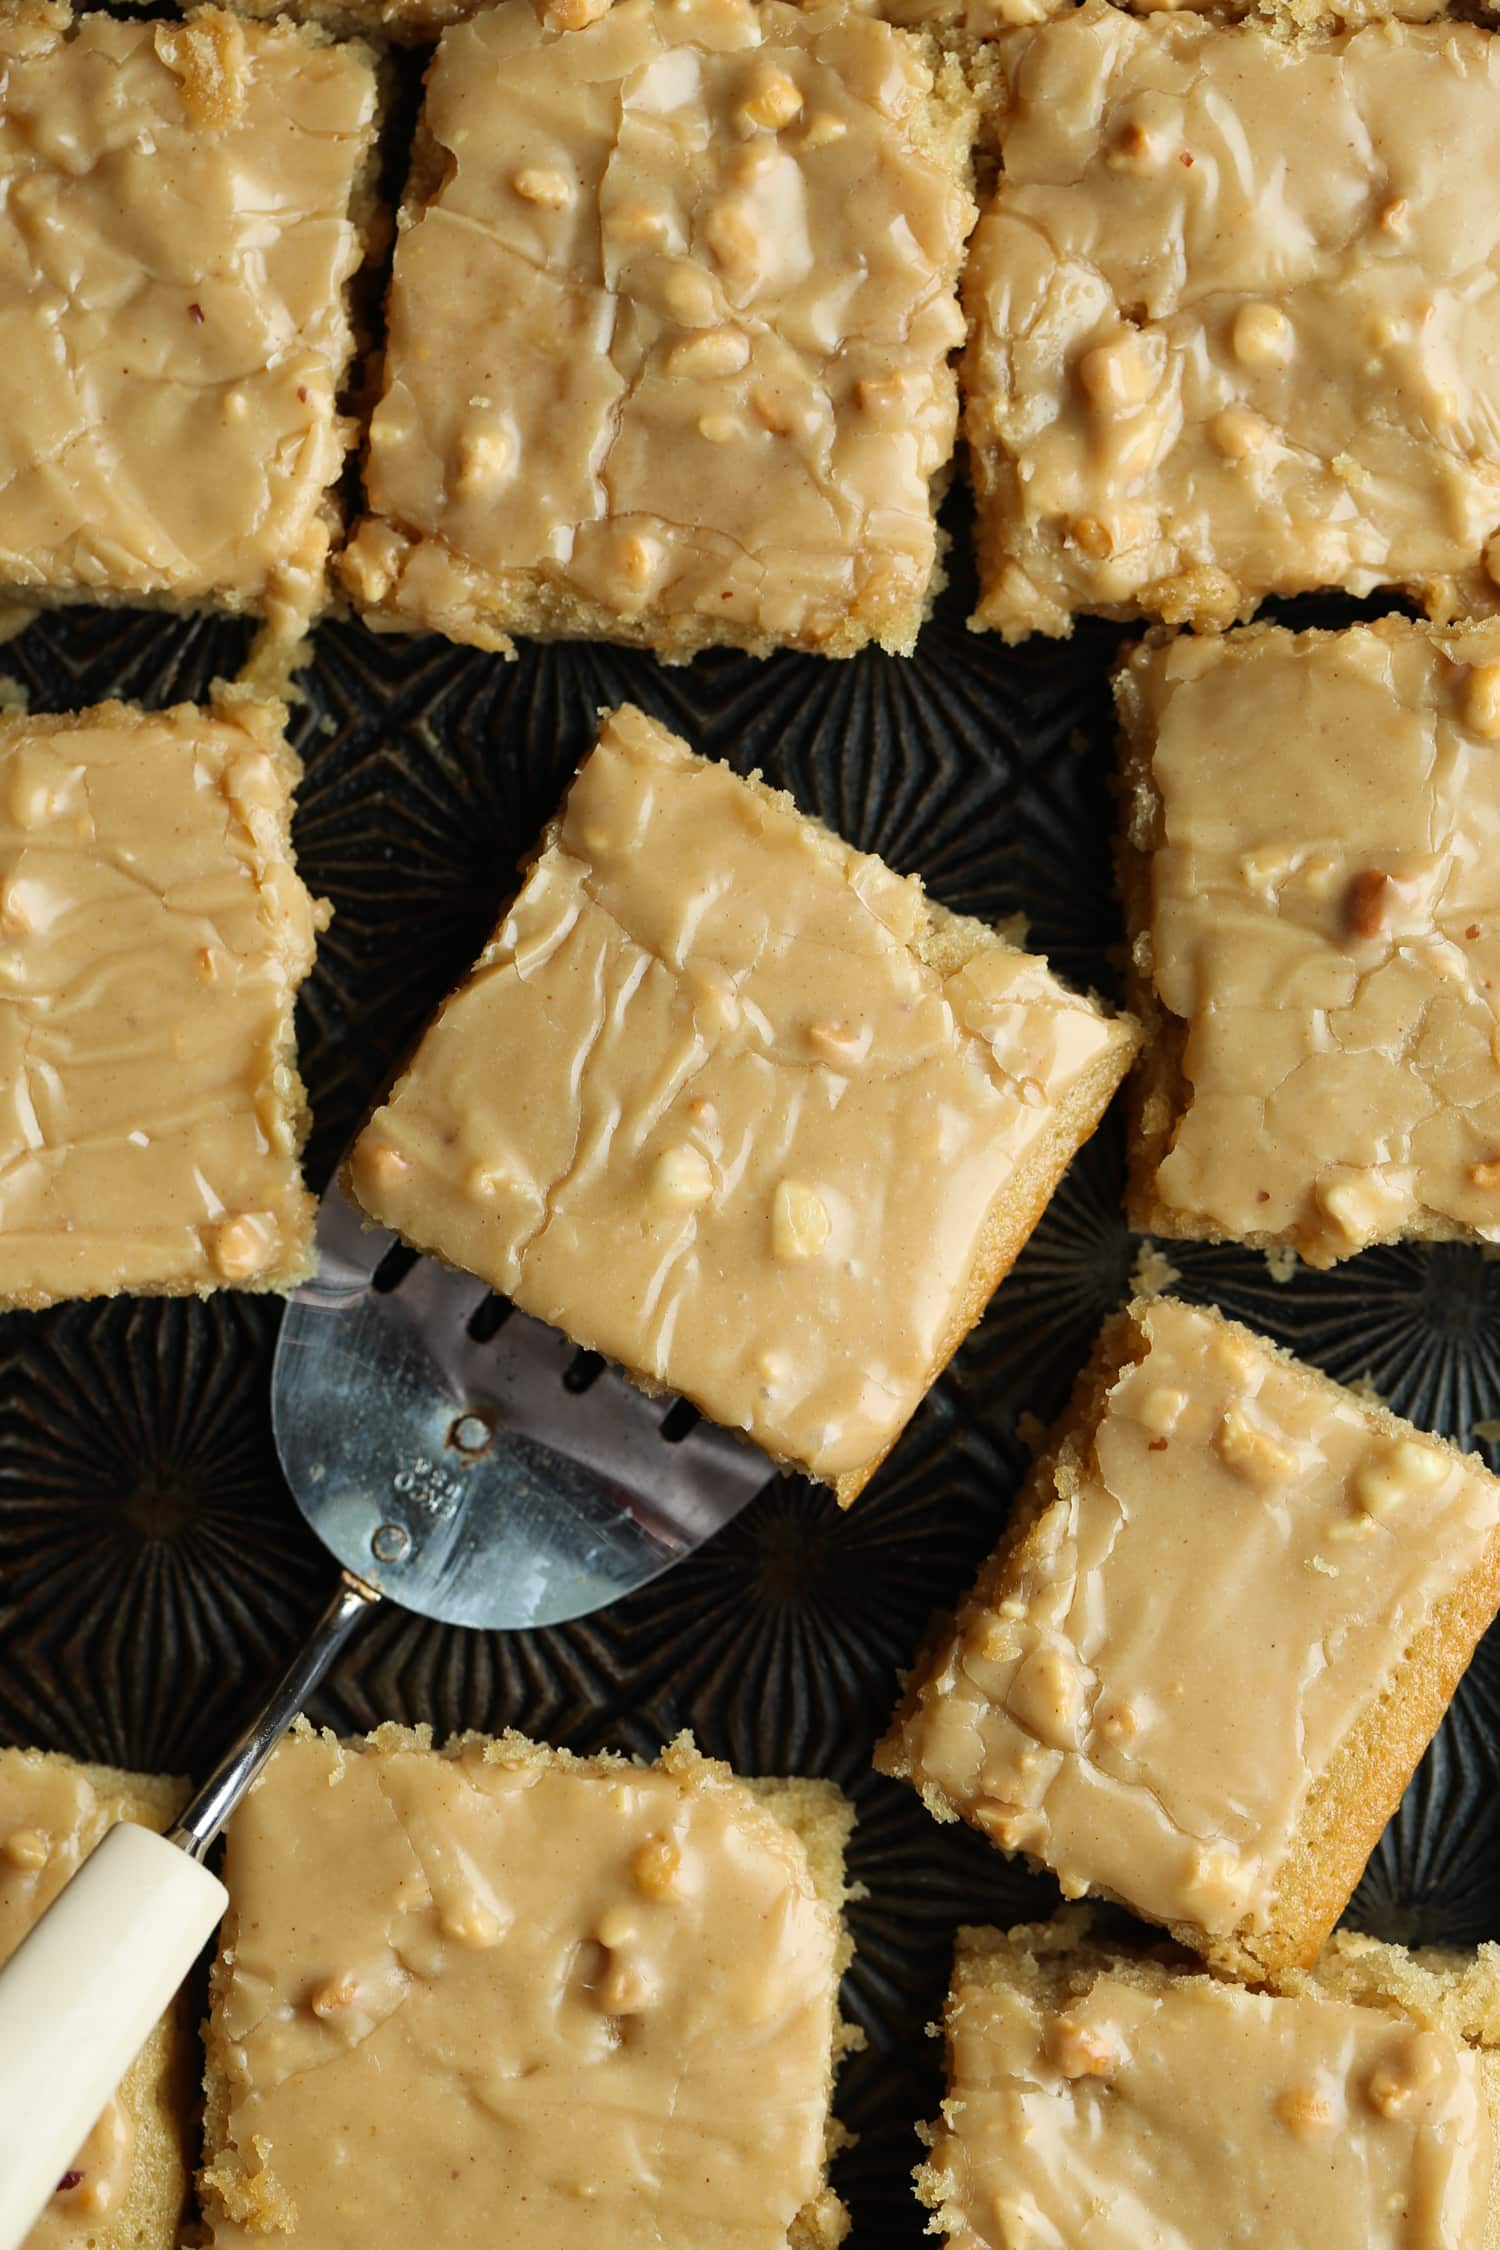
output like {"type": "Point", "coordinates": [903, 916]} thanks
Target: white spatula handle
{"type": "Point", "coordinates": [79, 1997]}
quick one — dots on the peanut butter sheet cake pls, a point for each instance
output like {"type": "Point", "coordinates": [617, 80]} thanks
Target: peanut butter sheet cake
{"type": "Point", "coordinates": [153, 934]}
{"type": "Point", "coordinates": [127, 2185]}
{"type": "Point", "coordinates": [596, 1999]}
{"type": "Point", "coordinates": [669, 331]}
{"type": "Point", "coordinates": [182, 208]}
{"type": "Point", "coordinates": [1101, 2098]}
{"type": "Point", "coordinates": [1311, 871]}
{"type": "Point", "coordinates": [737, 1106]}
{"type": "Point", "coordinates": [1234, 319]}
{"type": "Point", "coordinates": [1199, 1670]}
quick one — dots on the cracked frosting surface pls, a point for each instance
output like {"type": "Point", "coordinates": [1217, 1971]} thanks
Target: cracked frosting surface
{"type": "Point", "coordinates": [669, 331]}
{"type": "Point", "coordinates": [600, 2002]}
{"type": "Point", "coordinates": [1140, 2110]}
{"type": "Point", "coordinates": [153, 933]}
{"type": "Point", "coordinates": [1231, 1566]}
{"type": "Point", "coordinates": [1235, 319]}
{"type": "Point", "coordinates": [704, 1104]}
{"type": "Point", "coordinates": [1321, 818]}
{"type": "Point", "coordinates": [175, 236]}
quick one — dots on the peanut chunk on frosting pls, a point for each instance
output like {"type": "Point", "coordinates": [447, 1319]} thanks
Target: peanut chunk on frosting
{"type": "Point", "coordinates": [1299, 387]}
{"type": "Point", "coordinates": [1216, 2101]}
{"type": "Point", "coordinates": [703, 259]}
{"type": "Point", "coordinates": [1319, 873]}
{"type": "Point", "coordinates": [1146, 1690]}
{"type": "Point", "coordinates": [751, 1114]}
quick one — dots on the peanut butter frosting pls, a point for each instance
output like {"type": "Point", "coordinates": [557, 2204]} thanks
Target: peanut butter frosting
{"type": "Point", "coordinates": [1221, 1574]}
{"type": "Point", "coordinates": [175, 242]}
{"type": "Point", "coordinates": [598, 2000]}
{"type": "Point", "coordinates": [669, 330]}
{"type": "Point", "coordinates": [727, 1101]}
{"type": "Point", "coordinates": [1316, 875]}
{"type": "Point", "coordinates": [1234, 319]}
{"type": "Point", "coordinates": [1120, 2109]}
{"type": "Point", "coordinates": [153, 933]}
{"type": "Point", "coordinates": [52, 1814]}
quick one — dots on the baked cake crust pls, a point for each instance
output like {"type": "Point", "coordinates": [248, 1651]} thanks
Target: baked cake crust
{"type": "Point", "coordinates": [1233, 324]}
{"type": "Point", "coordinates": [671, 371]}
{"type": "Point", "coordinates": [1127, 1694]}
{"type": "Point", "coordinates": [733, 1104]}
{"type": "Point", "coordinates": [170, 425]}
{"type": "Point", "coordinates": [1315, 940]}
{"type": "Point", "coordinates": [631, 1970]}
{"type": "Point", "coordinates": [153, 933]}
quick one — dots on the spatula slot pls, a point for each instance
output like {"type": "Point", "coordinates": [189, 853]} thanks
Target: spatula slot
{"type": "Point", "coordinates": [582, 1372]}
{"type": "Point", "coordinates": [488, 1318]}
{"type": "Point", "coordinates": [679, 1421]}
{"type": "Point", "coordinates": [393, 1269]}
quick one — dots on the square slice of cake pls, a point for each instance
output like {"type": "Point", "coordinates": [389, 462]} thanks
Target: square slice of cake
{"type": "Point", "coordinates": [733, 1104]}
{"type": "Point", "coordinates": [182, 207]}
{"type": "Point", "coordinates": [153, 933]}
{"type": "Point", "coordinates": [595, 1997]}
{"type": "Point", "coordinates": [1312, 877]}
{"type": "Point", "coordinates": [1200, 1669]}
{"type": "Point", "coordinates": [1103, 2098]}
{"type": "Point", "coordinates": [126, 2187]}
{"type": "Point", "coordinates": [669, 332]}
{"type": "Point", "coordinates": [1234, 319]}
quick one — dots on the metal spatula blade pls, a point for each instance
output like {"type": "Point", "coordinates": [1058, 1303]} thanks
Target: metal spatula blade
{"type": "Point", "coordinates": [453, 1455]}
{"type": "Point", "coordinates": [469, 1466]}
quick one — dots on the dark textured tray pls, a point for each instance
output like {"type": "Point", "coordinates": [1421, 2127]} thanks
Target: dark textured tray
{"type": "Point", "coordinates": [153, 1572]}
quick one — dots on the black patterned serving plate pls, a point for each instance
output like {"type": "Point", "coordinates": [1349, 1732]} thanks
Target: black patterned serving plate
{"type": "Point", "coordinates": [153, 1570]}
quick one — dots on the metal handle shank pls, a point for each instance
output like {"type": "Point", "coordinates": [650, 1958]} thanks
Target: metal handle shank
{"type": "Point", "coordinates": [225, 1786]}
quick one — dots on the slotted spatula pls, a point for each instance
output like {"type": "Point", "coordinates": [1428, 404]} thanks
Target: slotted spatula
{"type": "Point", "coordinates": [455, 1457]}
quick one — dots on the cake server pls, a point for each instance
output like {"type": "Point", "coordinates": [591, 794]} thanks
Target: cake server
{"type": "Point", "coordinates": [457, 1458]}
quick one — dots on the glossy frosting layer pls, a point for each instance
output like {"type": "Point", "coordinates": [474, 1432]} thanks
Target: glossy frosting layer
{"type": "Point", "coordinates": [600, 2003]}
{"type": "Point", "coordinates": [1224, 1573]}
{"type": "Point", "coordinates": [669, 329]}
{"type": "Point", "coordinates": [153, 933]}
{"type": "Point", "coordinates": [1322, 819]}
{"type": "Point", "coordinates": [175, 237]}
{"type": "Point", "coordinates": [706, 1105]}
{"type": "Point", "coordinates": [1235, 318]}
{"type": "Point", "coordinates": [1134, 2110]}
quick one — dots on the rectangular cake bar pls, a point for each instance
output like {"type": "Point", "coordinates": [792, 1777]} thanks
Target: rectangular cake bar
{"type": "Point", "coordinates": [599, 1998]}
{"type": "Point", "coordinates": [669, 330]}
{"type": "Point", "coordinates": [153, 933]}
{"type": "Point", "coordinates": [183, 206]}
{"type": "Point", "coordinates": [737, 1106]}
{"type": "Point", "coordinates": [1234, 318]}
{"type": "Point", "coordinates": [1112, 2099]}
{"type": "Point", "coordinates": [1200, 1669]}
{"type": "Point", "coordinates": [1311, 873]}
